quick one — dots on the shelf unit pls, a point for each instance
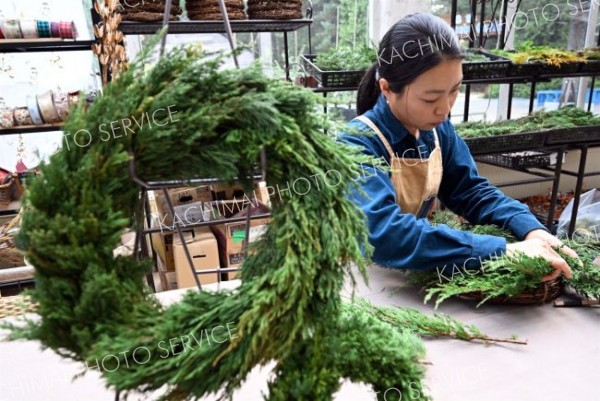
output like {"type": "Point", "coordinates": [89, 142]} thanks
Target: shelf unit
{"type": "Point", "coordinates": [43, 45]}
{"type": "Point", "coordinates": [202, 27]}
{"type": "Point", "coordinates": [20, 46]}
{"type": "Point", "coordinates": [31, 129]}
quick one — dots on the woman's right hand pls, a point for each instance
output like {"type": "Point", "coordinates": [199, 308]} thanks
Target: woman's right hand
{"type": "Point", "coordinates": [536, 247]}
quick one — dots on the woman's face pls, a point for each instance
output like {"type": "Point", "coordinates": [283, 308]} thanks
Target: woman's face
{"type": "Point", "coordinates": [427, 101]}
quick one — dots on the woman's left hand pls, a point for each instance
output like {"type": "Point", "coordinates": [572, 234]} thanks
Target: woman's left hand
{"type": "Point", "coordinates": [552, 241]}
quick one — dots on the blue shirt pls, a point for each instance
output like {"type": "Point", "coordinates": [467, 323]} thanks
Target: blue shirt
{"type": "Point", "coordinates": [404, 241]}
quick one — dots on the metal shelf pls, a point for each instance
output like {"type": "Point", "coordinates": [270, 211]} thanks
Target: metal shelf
{"type": "Point", "coordinates": [44, 45]}
{"type": "Point", "coordinates": [149, 28]}
{"type": "Point", "coordinates": [31, 129]}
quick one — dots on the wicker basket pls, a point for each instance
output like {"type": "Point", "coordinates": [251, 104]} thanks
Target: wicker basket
{"type": "Point", "coordinates": [10, 256]}
{"type": "Point", "coordinates": [8, 191]}
{"type": "Point", "coordinates": [545, 292]}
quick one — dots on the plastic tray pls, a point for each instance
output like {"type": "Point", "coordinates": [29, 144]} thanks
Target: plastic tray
{"type": "Point", "coordinates": [525, 159]}
{"type": "Point", "coordinates": [560, 136]}
{"type": "Point", "coordinates": [496, 67]}
{"type": "Point", "coordinates": [506, 143]}
{"type": "Point", "coordinates": [331, 79]}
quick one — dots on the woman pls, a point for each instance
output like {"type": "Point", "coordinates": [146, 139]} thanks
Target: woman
{"type": "Point", "coordinates": [403, 104]}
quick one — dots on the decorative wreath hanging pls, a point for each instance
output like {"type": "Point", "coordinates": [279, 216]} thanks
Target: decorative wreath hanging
{"type": "Point", "coordinates": [202, 121]}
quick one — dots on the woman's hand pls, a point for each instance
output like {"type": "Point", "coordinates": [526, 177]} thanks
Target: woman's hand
{"type": "Point", "coordinates": [552, 241]}
{"type": "Point", "coordinates": [539, 247]}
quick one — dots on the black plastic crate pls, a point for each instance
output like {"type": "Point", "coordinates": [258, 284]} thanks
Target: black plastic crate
{"type": "Point", "coordinates": [591, 66]}
{"type": "Point", "coordinates": [561, 136]}
{"type": "Point", "coordinates": [537, 69]}
{"type": "Point", "coordinates": [524, 159]}
{"type": "Point", "coordinates": [506, 143]}
{"type": "Point", "coordinates": [495, 67]}
{"type": "Point", "coordinates": [331, 79]}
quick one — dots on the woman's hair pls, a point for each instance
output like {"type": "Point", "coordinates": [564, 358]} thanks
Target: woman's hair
{"type": "Point", "coordinates": [414, 45]}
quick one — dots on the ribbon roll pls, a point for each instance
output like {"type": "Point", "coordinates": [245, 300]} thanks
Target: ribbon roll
{"type": "Point", "coordinates": [54, 30]}
{"type": "Point", "coordinates": [22, 116]}
{"type": "Point", "coordinates": [67, 30]}
{"type": "Point", "coordinates": [44, 30]}
{"type": "Point", "coordinates": [29, 29]}
{"type": "Point", "coordinates": [61, 102]}
{"type": "Point", "coordinates": [45, 102]}
{"type": "Point", "coordinates": [7, 118]}
{"type": "Point", "coordinates": [34, 110]}
{"type": "Point", "coordinates": [73, 98]}
{"type": "Point", "coordinates": [12, 29]}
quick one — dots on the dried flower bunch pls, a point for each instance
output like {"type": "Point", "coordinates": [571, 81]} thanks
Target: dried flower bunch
{"type": "Point", "coordinates": [110, 50]}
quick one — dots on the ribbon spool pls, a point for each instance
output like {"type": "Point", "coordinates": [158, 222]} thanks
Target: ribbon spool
{"type": "Point", "coordinates": [54, 30]}
{"type": "Point", "coordinates": [44, 30]}
{"type": "Point", "coordinates": [12, 29]}
{"type": "Point", "coordinates": [29, 29]}
{"type": "Point", "coordinates": [34, 111]}
{"type": "Point", "coordinates": [7, 118]}
{"type": "Point", "coordinates": [45, 102]}
{"type": "Point", "coordinates": [67, 30]}
{"type": "Point", "coordinates": [61, 102]}
{"type": "Point", "coordinates": [22, 116]}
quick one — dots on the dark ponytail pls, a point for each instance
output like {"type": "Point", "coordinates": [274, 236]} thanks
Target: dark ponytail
{"type": "Point", "coordinates": [414, 45]}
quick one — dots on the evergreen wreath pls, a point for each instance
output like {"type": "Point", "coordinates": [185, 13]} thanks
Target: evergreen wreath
{"type": "Point", "coordinates": [288, 308]}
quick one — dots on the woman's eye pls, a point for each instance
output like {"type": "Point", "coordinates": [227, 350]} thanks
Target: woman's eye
{"type": "Point", "coordinates": [429, 101]}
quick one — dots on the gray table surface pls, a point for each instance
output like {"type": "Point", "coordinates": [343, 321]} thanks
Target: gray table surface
{"type": "Point", "coordinates": [560, 363]}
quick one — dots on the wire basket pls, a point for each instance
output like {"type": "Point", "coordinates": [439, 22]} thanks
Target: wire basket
{"type": "Point", "coordinates": [526, 159]}
{"type": "Point", "coordinates": [331, 79]}
{"type": "Point", "coordinates": [506, 143]}
{"type": "Point", "coordinates": [545, 292]}
{"type": "Point", "coordinates": [495, 67]}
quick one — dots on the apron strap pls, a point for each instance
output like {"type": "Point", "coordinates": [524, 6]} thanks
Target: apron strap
{"type": "Point", "coordinates": [435, 137]}
{"type": "Point", "coordinates": [371, 125]}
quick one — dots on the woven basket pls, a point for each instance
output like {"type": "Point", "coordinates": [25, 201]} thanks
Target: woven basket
{"type": "Point", "coordinates": [10, 256]}
{"type": "Point", "coordinates": [15, 306]}
{"type": "Point", "coordinates": [545, 292]}
{"type": "Point", "coordinates": [8, 191]}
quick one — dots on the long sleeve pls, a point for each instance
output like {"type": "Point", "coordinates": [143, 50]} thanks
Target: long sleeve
{"type": "Point", "coordinates": [468, 194]}
{"type": "Point", "coordinates": [401, 240]}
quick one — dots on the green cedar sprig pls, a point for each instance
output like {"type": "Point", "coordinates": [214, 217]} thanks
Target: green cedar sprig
{"type": "Point", "coordinates": [346, 58]}
{"type": "Point", "coordinates": [439, 325]}
{"type": "Point", "coordinates": [504, 276]}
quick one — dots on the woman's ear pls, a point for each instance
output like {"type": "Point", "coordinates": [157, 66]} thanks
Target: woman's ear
{"type": "Point", "coordinates": [384, 85]}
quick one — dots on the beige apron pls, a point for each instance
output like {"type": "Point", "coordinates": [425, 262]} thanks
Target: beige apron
{"type": "Point", "coordinates": [415, 180]}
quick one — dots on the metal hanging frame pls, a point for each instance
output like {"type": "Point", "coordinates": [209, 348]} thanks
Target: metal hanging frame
{"type": "Point", "coordinates": [163, 185]}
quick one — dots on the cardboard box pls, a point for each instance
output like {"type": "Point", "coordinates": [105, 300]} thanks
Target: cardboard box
{"type": "Point", "coordinates": [231, 237]}
{"type": "Point", "coordinates": [222, 209]}
{"type": "Point", "coordinates": [182, 200]}
{"type": "Point", "coordinates": [222, 191]}
{"type": "Point", "coordinates": [205, 256]}
{"type": "Point", "coordinates": [163, 246]}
